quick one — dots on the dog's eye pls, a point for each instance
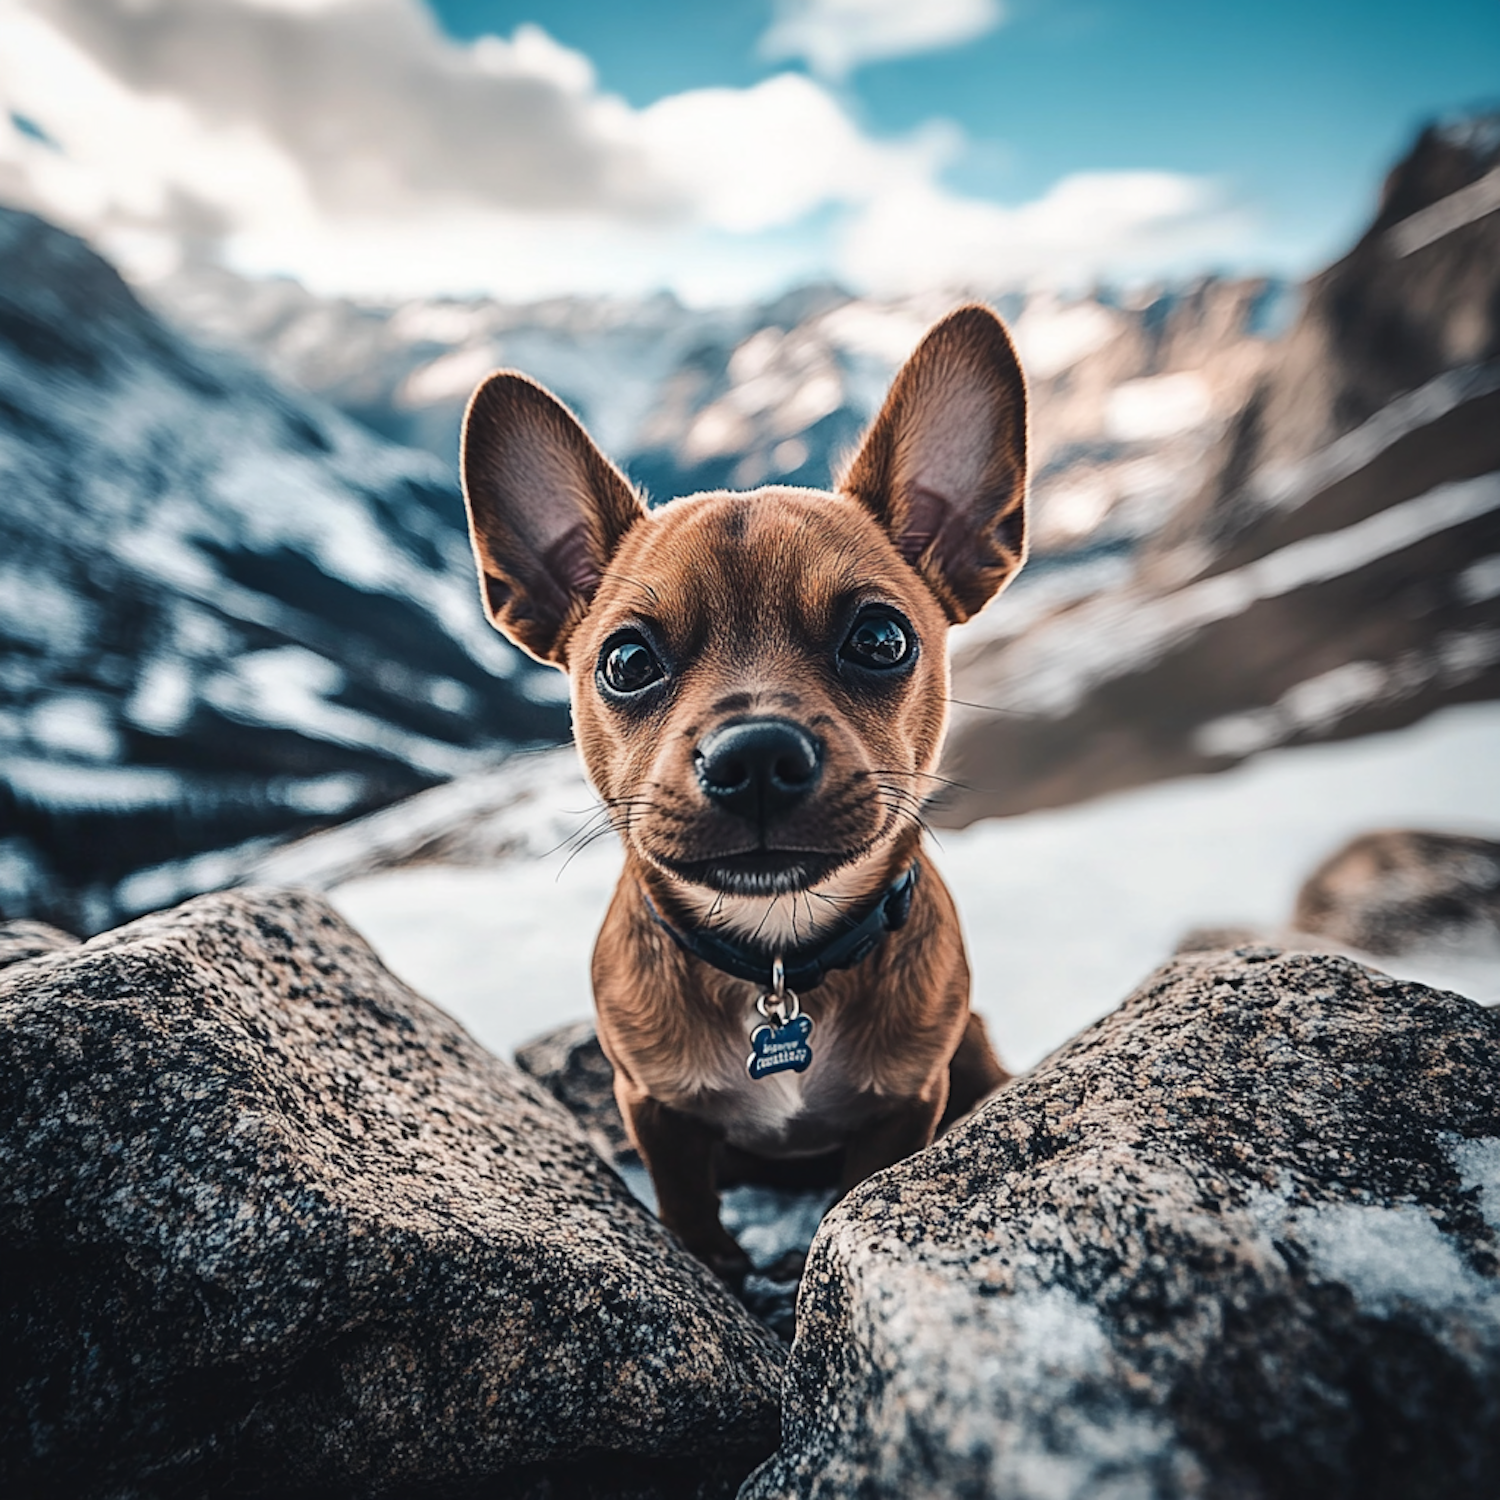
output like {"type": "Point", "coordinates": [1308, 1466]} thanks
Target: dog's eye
{"type": "Point", "coordinates": [628, 664]}
{"type": "Point", "coordinates": [880, 639]}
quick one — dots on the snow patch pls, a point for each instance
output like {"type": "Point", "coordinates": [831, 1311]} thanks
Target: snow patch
{"type": "Point", "coordinates": [38, 609]}
{"type": "Point", "coordinates": [75, 724]}
{"type": "Point", "coordinates": [163, 698]}
{"type": "Point", "coordinates": [1318, 704]}
{"type": "Point", "coordinates": [1157, 407]}
{"type": "Point", "coordinates": [1389, 1256]}
{"type": "Point", "coordinates": [62, 784]}
{"type": "Point", "coordinates": [449, 376]}
{"type": "Point", "coordinates": [1287, 486]}
{"type": "Point", "coordinates": [1481, 581]}
{"type": "Point", "coordinates": [1051, 338]}
{"type": "Point", "coordinates": [1393, 1258]}
{"type": "Point", "coordinates": [1477, 1162]}
{"type": "Point", "coordinates": [1053, 673]}
{"type": "Point", "coordinates": [288, 687]}
{"type": "Point", "coordinates": [1428, 225]}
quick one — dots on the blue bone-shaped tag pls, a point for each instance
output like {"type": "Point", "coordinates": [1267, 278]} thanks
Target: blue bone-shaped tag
{"type": "Point", "coordinates": [780, 1049]}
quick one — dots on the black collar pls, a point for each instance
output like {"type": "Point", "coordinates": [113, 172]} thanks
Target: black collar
{"type": "Point", "coordinates": [805, 967]}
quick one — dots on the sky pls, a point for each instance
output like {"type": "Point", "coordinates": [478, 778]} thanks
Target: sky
{"type": "Point", "coordinates": [528, 148]}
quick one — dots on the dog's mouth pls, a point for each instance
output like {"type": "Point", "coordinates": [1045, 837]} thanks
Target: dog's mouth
{"type": "Point", "coordinates": [759, 872]}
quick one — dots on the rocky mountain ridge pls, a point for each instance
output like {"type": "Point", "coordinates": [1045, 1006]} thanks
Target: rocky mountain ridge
{"type": "Point", "coordinates": [1337, 574]}
{"type": "Point", "coordinates": [1129, 391]}
{"type": "Point", "coordinates": [226, 611]}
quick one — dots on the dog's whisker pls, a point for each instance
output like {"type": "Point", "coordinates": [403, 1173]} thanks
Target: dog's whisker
{"type": "Point", "coordinates": [592, 839]}
{"type": "Point", "coordinates": [988, 708]}
{"type": "Point", "coordinates": [962, 786]}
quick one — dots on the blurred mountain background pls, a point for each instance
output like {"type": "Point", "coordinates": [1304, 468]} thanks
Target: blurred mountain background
{"type": "Point", "coordinates": [237, 601]}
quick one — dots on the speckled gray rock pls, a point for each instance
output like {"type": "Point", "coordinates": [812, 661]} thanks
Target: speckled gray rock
{"type": "Point", "coordinates": [22, 939]}
{"type": "Point", "coordinates": [273, 1224]}
{"type": "Point", "coordinates": [1401, 890]}
{"type": "Point", "coordinates": [570, 1064]}
{"type": "Point", "coordinates": [1239, 1239]}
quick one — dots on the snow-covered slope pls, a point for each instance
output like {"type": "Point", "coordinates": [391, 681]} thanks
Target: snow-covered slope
{"type": "Point", "coordinates": [1339, 575]}
{"type": "Point", "coordinates": [226, 611]}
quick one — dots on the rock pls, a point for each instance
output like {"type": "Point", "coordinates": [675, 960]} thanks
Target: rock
{"type": "Point", "coordinates": [1399, 891]}
{"type": "Point", "coordinates": [22, 939]}
{"type": "Point", "coordinates": [570, 1064]}
{"type": "Point", "coordinates": [1238, 1239]}
{"type": "Point", "coordinates": [272, 1224]}
{"type": "Point", "coordinates": [1209, 939]}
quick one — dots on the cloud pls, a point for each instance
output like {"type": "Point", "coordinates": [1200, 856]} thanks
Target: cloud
{"type": "Point", "coordinates": [352, 144]}
{"type": "Point", "coordinates": [833, 37]}
{"type": "Point", "coordinates": [1086, 226]}
{"type": "Point", "coordinates": [371, 102]}
{"type": "Point", "coordinates": [754, 158]}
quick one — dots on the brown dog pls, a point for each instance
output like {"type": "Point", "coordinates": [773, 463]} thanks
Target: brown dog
{"type": "Point", "coordinates": [760, 692]}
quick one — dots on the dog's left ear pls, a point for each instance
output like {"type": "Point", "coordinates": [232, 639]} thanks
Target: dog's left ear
{"type": "Point", "coordinates": [943, 468]}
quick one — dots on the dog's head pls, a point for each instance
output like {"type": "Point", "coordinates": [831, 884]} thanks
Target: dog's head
{"type": "Point", "coordinates": [760, 680]}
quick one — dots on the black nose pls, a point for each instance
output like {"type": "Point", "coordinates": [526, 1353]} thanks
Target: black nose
{"type": "Point", "coordinates": [759, 768]}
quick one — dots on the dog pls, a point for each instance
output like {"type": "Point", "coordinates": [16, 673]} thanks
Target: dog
{"type": "Point", "coordinates": [759, 692]}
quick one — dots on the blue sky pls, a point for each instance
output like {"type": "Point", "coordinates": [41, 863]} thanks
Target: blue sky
{"type": "Point", "coordinates": [1297, 107]}
{"type": "Point", "coordinates": [392, 148]}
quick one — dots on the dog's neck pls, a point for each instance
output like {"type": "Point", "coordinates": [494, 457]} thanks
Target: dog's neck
{"type": "Point", "coordinates": [798, 921]}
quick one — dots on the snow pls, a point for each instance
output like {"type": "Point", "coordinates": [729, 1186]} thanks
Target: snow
{"type": "Point", "coordinates": [1064, 911]}
{"type": "Point", "coordinates": [1051, 337]}
{"type": "Point", "coordinates": [289, 687]}
{"type": "Point", "coordinates": [163, 696]}
{"type": "Point", "coordinates": [1477, 1162]}
{"type": "Point", "coordinates": [66, 784]}
{"type": "Point", "coordinates": [1390, 1257]}
{"type": "Point", "coordinates": [1054, 671]}
{"type": "Point", "coordinates": [1287, 486]}
{"type": "Point", "coordinates": [1428, 225]}
{"type": "Point", "coordinates": [1158, 406]}
{"type": "Point", "coordinates": [1480, 581]}
{"type": "Point", "coordinates": [1318, 703]}
{"type": "Point", "coordinates": [75, 724]}
{"type": "Point", "coordinates": [452, 375]}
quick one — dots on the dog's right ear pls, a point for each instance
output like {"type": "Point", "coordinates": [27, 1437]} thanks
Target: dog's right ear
{"type": "Point", "coordinates": [546, 511]}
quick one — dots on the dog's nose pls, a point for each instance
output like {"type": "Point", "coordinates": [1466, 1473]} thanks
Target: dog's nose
{"type": "Point", "coordinates": [758, 768]}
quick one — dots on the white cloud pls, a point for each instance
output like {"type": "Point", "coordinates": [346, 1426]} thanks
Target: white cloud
{"type": "Point", "coordinates": [1085, 226]}
{"type": "Point", "coordinates": [835, 36]}
{"type": "Point", "coordinates": [354, 145]}
{"type": "Point", "coordinates": [755, 158]}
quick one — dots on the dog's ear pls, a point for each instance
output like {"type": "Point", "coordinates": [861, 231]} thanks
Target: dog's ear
{"type": "Point", "coordinates": [943, 468]}
{"type": "Point", "coordinates": [546, 511]}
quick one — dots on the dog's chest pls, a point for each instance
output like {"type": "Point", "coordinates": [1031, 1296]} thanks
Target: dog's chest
{"type": "Point", "coordinates": [783, 1113]}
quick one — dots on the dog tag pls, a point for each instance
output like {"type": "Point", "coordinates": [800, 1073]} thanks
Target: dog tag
{"type": "Point", "coordinates": [780, 1049]}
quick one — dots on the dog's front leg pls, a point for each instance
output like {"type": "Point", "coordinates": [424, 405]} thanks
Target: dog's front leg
{"type": "Point", "coordinates": [908, 1128]}
{"type": "Point", "coordinates": [679, 1154]}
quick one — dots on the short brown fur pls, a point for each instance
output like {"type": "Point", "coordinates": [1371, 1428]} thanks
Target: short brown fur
{"type": "Point", "coordinates": [743, 600]}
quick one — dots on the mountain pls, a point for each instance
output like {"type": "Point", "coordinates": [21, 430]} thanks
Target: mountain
{"type": "Point", "coordinates": [227, 612]}
{"type": "Point", "coordinates": [1130, 393]}
{"type": "Point", "coordinates": [1338, 571]}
